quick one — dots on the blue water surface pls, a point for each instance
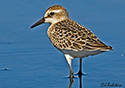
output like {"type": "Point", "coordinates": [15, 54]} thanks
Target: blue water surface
{"type": "Point", "coordinates": [29, 60]}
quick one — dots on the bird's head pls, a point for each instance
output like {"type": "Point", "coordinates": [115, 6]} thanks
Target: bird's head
{"type": "Point", "coordinates": [53, 15]}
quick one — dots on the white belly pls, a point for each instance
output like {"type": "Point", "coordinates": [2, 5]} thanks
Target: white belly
{"type": "Point", "coordinates": [81, 54]}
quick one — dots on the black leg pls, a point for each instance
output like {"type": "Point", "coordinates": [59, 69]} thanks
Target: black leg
{"type": "Point", "coordinates": [80, 69]}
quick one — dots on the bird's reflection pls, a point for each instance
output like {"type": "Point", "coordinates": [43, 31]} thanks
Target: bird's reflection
{"type": "Point", "coordinates": [71, 82]}
{"type": "Point", "coordinates": [80, 81]}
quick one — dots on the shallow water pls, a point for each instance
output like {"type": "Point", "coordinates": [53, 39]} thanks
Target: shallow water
{"type": "Point", "coordinates": [28, 59]}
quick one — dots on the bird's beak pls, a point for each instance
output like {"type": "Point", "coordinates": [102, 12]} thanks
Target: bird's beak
{"type": "Point", "coordinates": [38, 23]}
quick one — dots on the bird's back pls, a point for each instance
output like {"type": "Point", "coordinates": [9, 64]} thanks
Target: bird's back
{"type": "Point", "coordinates": [71, 36]}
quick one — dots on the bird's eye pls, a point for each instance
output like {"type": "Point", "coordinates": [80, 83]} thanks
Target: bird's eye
{"type": "Point", "coordinates": [52, 13]}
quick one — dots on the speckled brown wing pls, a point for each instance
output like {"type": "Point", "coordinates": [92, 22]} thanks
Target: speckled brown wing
{"type": "Point", "coordinates": [70, 35]}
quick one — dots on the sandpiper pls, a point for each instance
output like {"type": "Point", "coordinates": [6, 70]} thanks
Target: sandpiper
{"type": "Point", "coordinates": [71, 38]}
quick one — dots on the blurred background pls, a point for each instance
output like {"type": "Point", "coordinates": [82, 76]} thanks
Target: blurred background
{"type": "Point", "coordinates": [29, 60]}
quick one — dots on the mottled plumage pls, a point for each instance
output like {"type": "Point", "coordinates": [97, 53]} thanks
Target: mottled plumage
{"type": "Point", "coordinates": [70, 35]}
{"type": "Point", "coordinates": [71, 38]}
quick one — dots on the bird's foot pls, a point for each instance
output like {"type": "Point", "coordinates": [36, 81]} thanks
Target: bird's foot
{"type": "Point", "coordinates": [71, 75]}
{"type": "Point", "coordinates": [80, 73]}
